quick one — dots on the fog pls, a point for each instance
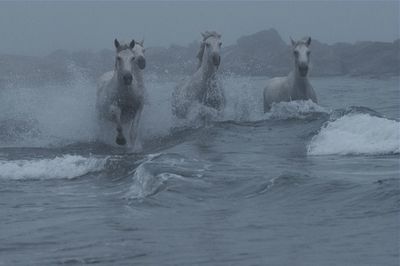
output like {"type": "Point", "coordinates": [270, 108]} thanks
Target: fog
{"type": "Point", "coordinates": [38, 28]}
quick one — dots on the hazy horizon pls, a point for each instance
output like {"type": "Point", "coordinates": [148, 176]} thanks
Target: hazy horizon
{"type": "Point", "coordinates": [38, 28]}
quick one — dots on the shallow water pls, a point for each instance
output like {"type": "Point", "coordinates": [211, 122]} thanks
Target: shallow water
{"type": "Point", "coordinates": [305, 184]}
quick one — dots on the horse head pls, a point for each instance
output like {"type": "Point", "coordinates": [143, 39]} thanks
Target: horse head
{"type": "Point", "coordinates": [210, 48]}
{"type": "Point", "coordinates": [124, 61]}
{"type": "Point", "coordinates": [301, 53]}
{"type": "Point", "coordinates": [139, 51]}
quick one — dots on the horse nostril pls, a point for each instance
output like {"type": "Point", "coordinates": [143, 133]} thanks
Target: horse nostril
{"type": "Point", "coordinates": [128, 78]}
{"type": "Point", "coordinates": [303, 69]}
{"type": "Point", "coordinates": [216, 59]}
{"type": "Point", "coordinates": [141, 63]}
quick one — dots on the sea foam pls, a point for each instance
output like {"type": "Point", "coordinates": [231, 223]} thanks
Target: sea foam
{"type": "Point", "coordinates": [295, 110]}
{"type": "Point", "coordinates": [67, 166]}
{"type": "Point", "coordinates": [356, 134]}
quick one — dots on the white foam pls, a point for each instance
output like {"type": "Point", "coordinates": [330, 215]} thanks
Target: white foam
{"type": "Point", "coordinates": [357, 134]}
{"type": "Point", "coordinates": [294, 109]}
{"type": "Point", "coordinates": [67, 166]}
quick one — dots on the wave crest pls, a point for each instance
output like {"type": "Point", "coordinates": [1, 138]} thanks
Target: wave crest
{"type": "Point", "coordinates": [161, 170]}
{"type": "Point", "coordinates": [356, 134]}
{"type": "Point", "coordinates": [67, 166]}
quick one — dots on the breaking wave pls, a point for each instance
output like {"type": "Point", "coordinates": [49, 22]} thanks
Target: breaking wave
{"type": "Point", "coordinates": [154, 175]}
{"type": "Point", "coordinates": [66, 166]}
{"type": "Point", "coordinates": [356, 134]}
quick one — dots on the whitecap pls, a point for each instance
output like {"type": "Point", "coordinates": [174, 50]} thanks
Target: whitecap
{"type": "Point", "coordinates": [355, 134]}
{"type": "Point", "coordinates": [66, 166]}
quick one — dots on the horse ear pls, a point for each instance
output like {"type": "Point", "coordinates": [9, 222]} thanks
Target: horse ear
{"type": "Point", "coordinates": [203, 35]}
{"type": "Point", "coordinates": [141, 42]}
{"type": "Point", "coordinates": [116, 43]}
{"type": "Point", "coordinates": [292, 41]}
{"type": "Point", "coordinates": [308, 42]}
{"type": "Point", "coordinates": [132, 44]}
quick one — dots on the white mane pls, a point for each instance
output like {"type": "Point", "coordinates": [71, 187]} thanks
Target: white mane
{"type": "Point", "coordinates": [139, 42]}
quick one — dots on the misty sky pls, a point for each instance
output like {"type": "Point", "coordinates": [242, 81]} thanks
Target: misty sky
{"type": "Point", "coordinates": [39, 28]}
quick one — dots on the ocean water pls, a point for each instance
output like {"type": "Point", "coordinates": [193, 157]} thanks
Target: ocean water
{"type": "Point", "coordinates": [305, 184]}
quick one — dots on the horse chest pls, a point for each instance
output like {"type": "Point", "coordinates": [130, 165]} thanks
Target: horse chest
{"type": "Point", "coordinates": [300, 92]}
{"type": "Point", "coordinates": [128, 98]}
{"type": "Point", "coordinates": [213, 97]}
{"type": "Point", "coordinates": [129, 107]}
{"type": "Point", "coordinates": [129, 103]}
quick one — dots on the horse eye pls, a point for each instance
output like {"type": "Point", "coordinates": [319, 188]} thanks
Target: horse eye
{"type": "Point", "coordinates": [207, 44]}
{"type": "Point", "coordinates": [220, 44]}
{"type": "Point", "coordinates": [119, 58]}
{"type": "Point", "coordinates": [296, 53]}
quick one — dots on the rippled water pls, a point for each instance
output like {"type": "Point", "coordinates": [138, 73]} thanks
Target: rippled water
{"type": "Point", "coordinates": [305, 184]}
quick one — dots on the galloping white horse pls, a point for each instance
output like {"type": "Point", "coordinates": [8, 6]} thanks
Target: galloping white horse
{"type": "Point", "coordinates": [296, 85]}
{"type": "Point", "coordinates": [203, 86]}
{"type": "Point", "coordinates": [120, 94]}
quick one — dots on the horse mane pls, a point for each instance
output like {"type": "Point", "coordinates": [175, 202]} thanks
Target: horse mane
{"type": "Point", "coordinates": [140, 43]}
{"type": "Point", "coordinates": [205, 35]}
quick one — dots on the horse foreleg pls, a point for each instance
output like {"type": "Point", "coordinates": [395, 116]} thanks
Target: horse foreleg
{"type": "Point", "coordinates": [134, 131]}
{"type": "Point", "coordinates": [313, 96]}
{"type": "Point", "coordinates": [116, 115]}
{"type": "Point", "coordinates": [267, 103]}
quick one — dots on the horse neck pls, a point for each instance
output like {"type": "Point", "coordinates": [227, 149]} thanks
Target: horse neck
{"type": "Point", "coordinates": [207, 68]}
{"type": "Point", "coordinates": [298, 82]}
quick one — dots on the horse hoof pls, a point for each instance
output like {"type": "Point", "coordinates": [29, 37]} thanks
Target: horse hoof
{"type": "Point", "coordinates": [120, 141]}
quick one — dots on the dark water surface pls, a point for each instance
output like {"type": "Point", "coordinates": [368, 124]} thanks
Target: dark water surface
{"type": "Point", "coordinates": [303, 185]}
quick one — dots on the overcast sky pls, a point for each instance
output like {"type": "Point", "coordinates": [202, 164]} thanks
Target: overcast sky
{"type": "Point", "coordinates": [39, 28]}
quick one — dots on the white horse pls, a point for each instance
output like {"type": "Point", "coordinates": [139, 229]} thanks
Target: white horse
{"type": "Point", "coordinates": [120, 94]}
{"type": "Point", "coordinates": [296, 85]}
{"type": "Point", "coordinates": [203, 86]}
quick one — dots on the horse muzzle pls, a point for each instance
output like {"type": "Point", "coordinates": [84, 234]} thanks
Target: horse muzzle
{"type": "Point", "coordinates": [128, 79]}
{"type": "Point", "coordinates": [141, 61]}
{"type": "Point", "coordinates": [303, 70]}
{"type": "Point", "coordinates": [216, 59]}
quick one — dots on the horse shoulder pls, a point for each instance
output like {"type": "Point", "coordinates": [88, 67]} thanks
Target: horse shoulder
{"type": "Point", "coordinates": [196, 80]}
{"type": "Point", "coordinates": [277, 86]}
{"type": "Point", "coordinates": [103, 83]}
{"type": "Point", "coordinates": [192, 87]}
{"type": "Point", "coordinates": [276, 82]}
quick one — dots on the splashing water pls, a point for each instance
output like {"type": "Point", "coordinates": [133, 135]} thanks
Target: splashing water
{"type": "Point", "coordinates": [50, 115]}
{"type": "Point", "coordinates": [66, 166]}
